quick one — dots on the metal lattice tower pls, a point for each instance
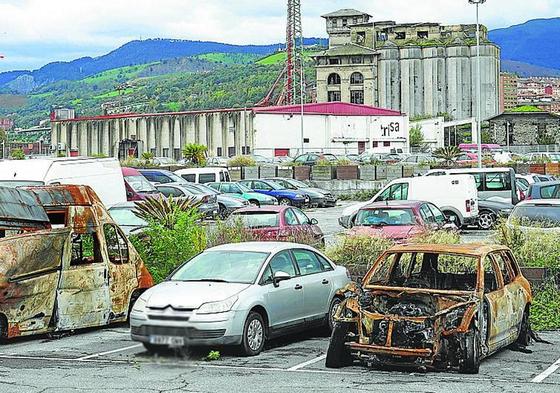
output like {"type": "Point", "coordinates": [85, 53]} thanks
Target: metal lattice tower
{"type": "Point", "coordinates": [294, 54]}
{"type": "Point", "coordinates": [291, 77]}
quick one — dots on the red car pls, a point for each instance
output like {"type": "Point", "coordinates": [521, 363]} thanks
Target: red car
{"type": "Point", "coordinates": [399, 220]}
{"type": "Point", "coordinates": [137, 186]}
{"type": "Point", "coordinates": [278, 222]}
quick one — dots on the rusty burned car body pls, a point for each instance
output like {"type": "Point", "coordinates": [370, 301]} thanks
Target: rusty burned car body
{"type": "Point", "coordinates": [433, 306]}
{"type": "Point", "coordinates": [64, 264]}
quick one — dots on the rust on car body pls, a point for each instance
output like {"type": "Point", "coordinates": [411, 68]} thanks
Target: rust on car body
{"type": "Point", "coordinates": [436, 306]}
{"type": "Point", "coordinates": [64, 263]}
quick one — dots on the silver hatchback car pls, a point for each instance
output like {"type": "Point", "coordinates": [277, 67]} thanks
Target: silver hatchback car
{"type": "Point", "coordinates": [239, 294]}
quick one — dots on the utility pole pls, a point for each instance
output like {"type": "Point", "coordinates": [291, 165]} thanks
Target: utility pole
{"type": "Point", "coordinates": [478, 83]}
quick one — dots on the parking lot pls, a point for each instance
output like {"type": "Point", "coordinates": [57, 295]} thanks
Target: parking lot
{"type": "Point", "coordinates": [106, 360]}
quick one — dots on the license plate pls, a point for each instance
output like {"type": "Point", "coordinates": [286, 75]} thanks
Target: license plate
{"type": "Point", "coordinates": [171, 341]}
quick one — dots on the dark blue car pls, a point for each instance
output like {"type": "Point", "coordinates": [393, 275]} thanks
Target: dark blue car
{"type": "Point", "coordinates": [544, 190]}
{"type": "Point", "coordinates": [284, 196]}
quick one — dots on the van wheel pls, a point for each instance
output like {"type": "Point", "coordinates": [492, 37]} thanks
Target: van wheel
{"type": "Point", "coordinates": [486, 220]}
{"type": "Point", "coordinates": [254, 203]}
{"type": "Point", "coordinates": [338, 354]}
{"type": "Point", "coordinates": [457, 222]}
{"type": "Point", "coordinates": [3, 328]}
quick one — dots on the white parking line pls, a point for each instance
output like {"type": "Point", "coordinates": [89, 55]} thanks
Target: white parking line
{"type": "Point", "coordinates": [304, 364]}
{"type": "Point", "coordinates": [95, 355]}
{"type": "Point", "coordinates": [546, 373]}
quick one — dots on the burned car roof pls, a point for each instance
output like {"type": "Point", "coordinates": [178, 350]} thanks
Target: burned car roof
{"type": "Point", "coordinates": [64, 195]}
{"type": "Point", "coordinates": [19, 207]}
{"type": "Point", "coordinates": [472, 249]}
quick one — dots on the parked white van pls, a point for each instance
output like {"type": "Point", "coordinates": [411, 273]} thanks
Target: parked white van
{"type": "Point", "coordinates": [204, 175]}
{"type": "Point", "coordinates": [493, 184]}
{"type": "Point", "coordinates": [455, 196]}
{"type": "Point", "coordinates": [102, 174]}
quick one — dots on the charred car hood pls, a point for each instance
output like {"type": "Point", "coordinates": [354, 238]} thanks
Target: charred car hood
{"type": "Point", "coordinates": [185, 294]}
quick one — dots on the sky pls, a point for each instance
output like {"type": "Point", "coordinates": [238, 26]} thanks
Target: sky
{"type": "Point", "coordinates": [36, 32]}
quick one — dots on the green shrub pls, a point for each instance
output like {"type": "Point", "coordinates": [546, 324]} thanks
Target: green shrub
{"type": "Point", "coordinates": [17, 154]}
{"type": "Point", "coordinates": [163, 249]}
{"type": "Point", "coordinates": [437, 237]}
{"type": "Point", "coordinates": [343, 162]}
{"type": "Point", "coordinates": [545, 306]}
{"type": "Point", "coordinates": [231, 231]}
{"type": "Point", "coordinates": [195, 153]}
{"type": "Point", "coordinates": [241, 161]}
{"type": "Point", "coordinates": [357, 252]}
{"type": "Point", "coordinates": [323, 162]}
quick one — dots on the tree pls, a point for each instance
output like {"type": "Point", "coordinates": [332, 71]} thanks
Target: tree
{"type": "Point", "coordinates": [416, 137]}
{"type": "Point", "coordinates": [195, 153]}
{"type": "Point", "coordinates": [448, 153]}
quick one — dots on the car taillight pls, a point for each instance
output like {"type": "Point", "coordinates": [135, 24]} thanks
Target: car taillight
{"type": "Point", "coordinates": [468, 205]}
{"type": "Point", "coordinates": [522, 195]}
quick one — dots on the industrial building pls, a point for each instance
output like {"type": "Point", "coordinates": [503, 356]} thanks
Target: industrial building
{"type": "Point", "coordinates": [272, 131]}
{"type": "Point", "coordinates": [414, 68]}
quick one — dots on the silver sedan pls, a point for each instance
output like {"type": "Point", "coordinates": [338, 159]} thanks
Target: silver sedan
{"type": "Point", "coordinates": [239, 294]}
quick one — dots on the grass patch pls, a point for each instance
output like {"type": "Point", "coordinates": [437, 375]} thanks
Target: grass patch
{"type": "Point", "coordinates": [229, 58]}
{"type": "Point", "coordinates": [114, 93]}
{"type": "Point", "coordinates": [127, 72]}
{"type": "Point", "coordinates": [280, 57]}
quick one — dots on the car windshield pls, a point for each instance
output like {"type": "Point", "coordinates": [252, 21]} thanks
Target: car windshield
{"type": "Point", "coordinates": [385, 217]}
{"type": "Point", "coordinates": [427, 271]}
{"type": "Point", "coordinates": [222, 266]}
{"type": "Point", "coordinates": [275, 186]}
{"type": "Point", "coordinates": [126, 217]}
{"type": "Point", "coordinates": [258, 219]}
{"type": "Point", "coordinates": [243, 188]}
{"type": "Point", "coordinates": [297, 183]}
{"type": "Point", "coordinates": [208, 190]}
{"type": "Point", "coordinates": [537, 216]}
{"type": "Point", "coordinates": [140, 184]}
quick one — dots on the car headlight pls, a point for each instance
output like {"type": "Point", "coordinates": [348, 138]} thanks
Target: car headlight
{"type": "Point", "coordinates": [217, 307]}
{"type": "Point", "coordinates": [453, 318]}
{"type": "Point", "coordinates": [139, 305]}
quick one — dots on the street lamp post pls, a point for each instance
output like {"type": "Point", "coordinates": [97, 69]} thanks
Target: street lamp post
{"type": "Point", "coordinates": [478, 82]}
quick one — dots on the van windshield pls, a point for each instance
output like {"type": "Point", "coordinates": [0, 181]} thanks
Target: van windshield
{"type": "Point", "coordinates": [20, 183]}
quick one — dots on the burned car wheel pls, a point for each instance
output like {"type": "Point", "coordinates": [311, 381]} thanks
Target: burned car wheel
{"type": "Point", "coordinates": [471, 357]}
{"type": "Point", "coordinates": [338, 354]}
{"type": "Point", "coordinates": [524, 337]}
{"type": "Point", "coordinates": [333, 308]}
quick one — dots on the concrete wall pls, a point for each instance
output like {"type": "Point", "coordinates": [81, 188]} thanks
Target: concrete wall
{"type": "Point", "coordinates": [164, 135]}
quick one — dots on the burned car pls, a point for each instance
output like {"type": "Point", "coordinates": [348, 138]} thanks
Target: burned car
{"type": "Point", "coordinates": [64, 264]}
{"type": "Point", "coordinates": [433, 307]}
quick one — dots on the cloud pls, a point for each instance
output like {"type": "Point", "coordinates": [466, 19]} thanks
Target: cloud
{"type": "Point", "coordinates": [97, 26]}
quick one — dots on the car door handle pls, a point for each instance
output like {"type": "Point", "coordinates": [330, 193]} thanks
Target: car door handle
{"type": "Point", "coordinates": [325, 282]}
{"type": "Point", "coordinates": [298, 286]}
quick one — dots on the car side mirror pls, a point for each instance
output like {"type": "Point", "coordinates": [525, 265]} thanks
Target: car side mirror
{"type": "Point", "coordinates": [314, 221]}
{"type": "Point", "coordinates": [280, 276]}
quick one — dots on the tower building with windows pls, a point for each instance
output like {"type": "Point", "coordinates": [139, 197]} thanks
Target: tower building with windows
{"type": "Point", "coordinates": [415, 68]}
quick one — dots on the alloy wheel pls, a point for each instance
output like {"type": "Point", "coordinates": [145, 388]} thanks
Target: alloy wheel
{"type": "Point", "coordinates": [255, 334]}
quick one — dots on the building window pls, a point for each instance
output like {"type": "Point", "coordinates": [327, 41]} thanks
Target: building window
{"type": "Point", "coordinates": [357, 97]}
{"type": "Point", "coordinates": [165, 152]}
{"type": "Point", "coordinates": [176, 154]}
{"type": "Point", "coordinates": [401, 35]}
{"type": "Point", "coordinates": [423, 34]}
{"type": "Point", "coordinates": [231, 151]}
{"type": "Point", "coordinates": [153, 151]}
{"type": "Point", "coordinates": [246, 150]}
{"type": "Point", "coordinates": [375, 144]}
{"type": "Point", "coordinates": [356, 79]}
{"type": "Point", "coordinates": [386, 144]}
{"type": "Point", "coordinates": [305, 140]}
{"type": "Point", "coordinates": [219, 151]}
{"type": "Point", "coordinates": [334, 96]}
{"type": "Point", "coordinates": [344, 22]}
{"type": "Point", "coordinates": [381, 36]}
{"type": "Point", "coordinates": [354, 20]}
{"type": "Point", "coordinates": [361, 38]}
{"type": "Point", "coordinates": [356, 60]}
{"type": "Point", "coordinates": [333, 79]}
{"type": "Point", "coordinates": [334, 61]}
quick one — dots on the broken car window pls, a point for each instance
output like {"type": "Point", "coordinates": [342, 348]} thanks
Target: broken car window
{"type": "Point", "coordinates": [85, 249]}
{"type": "Point", "coordinates": [427, 271]}
{"type": "Point", "coordinates": [117, 247]}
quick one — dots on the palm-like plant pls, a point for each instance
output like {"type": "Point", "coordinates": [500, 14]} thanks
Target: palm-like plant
{"type": "Point", "coordinates": [164, 210]}
{"type": "Point", "coordinates": [448, 153]}
{"type": "Point", "coordinates": [195, 153]}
